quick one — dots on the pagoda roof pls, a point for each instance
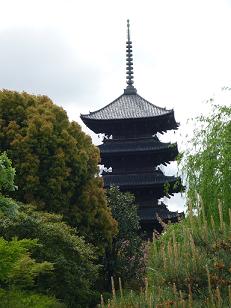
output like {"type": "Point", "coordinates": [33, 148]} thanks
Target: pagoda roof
{"type": "Point", "coordinates": [127, 106]}
{"type": "Point", "coordinates": [137, 179]}
{"type": "Point", "coordinates": [135, 145]}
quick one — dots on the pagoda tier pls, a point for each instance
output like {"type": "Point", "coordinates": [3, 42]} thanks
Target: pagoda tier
{"type": "Point", "coordinates": [133, 151]}
{"type": "Point", "coordinates": [160, 211]}
{"type": "Point", "coordinates": [125, 154]}
{"type": "Point", "coordinates": [160, 215]}
{"type": "Point", "coordinates": [130, 114]}
{"type": "Point", "coordinates": [156, 180]}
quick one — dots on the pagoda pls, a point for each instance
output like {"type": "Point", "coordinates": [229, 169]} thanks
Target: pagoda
{"type": "Point", "coordinates": [133, 152]}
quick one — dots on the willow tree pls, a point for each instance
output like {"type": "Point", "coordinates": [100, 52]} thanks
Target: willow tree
{"type": "Point", "coordinates": [56, 163]}
{"type": "Point", "coordinates": [208, 163]}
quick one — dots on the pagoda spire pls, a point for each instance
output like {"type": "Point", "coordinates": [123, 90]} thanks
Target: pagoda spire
{"type": "Point", "coordinates": [129, 61]}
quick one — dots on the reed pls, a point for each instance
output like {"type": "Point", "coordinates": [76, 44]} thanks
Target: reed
{"type": "Point", "coordinates": [189, 266]}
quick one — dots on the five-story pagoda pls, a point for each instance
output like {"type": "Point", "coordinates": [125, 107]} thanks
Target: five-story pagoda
{"type": "Point", "coordinates": [134, 152]}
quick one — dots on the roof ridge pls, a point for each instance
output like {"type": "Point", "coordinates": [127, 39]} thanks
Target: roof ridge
{"type": "Point", "coordinates": [163, 108]}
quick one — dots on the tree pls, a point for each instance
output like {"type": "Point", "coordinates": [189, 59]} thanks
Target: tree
{"type": "Point", "coordinates": [18, 272]}
{"type": "Point", "coordinates": [126, 258]}
{"type": "Point", "coordinates": [74, 261]}
{"type": "Point", "coordinates": [56, 163]}
{"type": "Point", "coordinates": [7, 174]}
{"type": "Point", "coordinates": [17, 268]}
{"type": "Point", "coordinates": [207, 163]}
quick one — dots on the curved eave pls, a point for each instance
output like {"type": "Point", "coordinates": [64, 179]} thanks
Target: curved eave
{"type": "Point", "coordinates": [91, 118]}
{"type": "Point", "coordinates": [153, 214]}
{"type": "Point", "coordinates": [116, 149]}
{"type": "Point", "coordinates": [172, 217]}
{"type": "Point", "coordinates": [133, 181]}
{"type": "Point", "coordinates": [159, 123]}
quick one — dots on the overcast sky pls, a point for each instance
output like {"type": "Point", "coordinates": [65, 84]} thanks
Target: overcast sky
{"type": "Point", "coordinates": [74, 52]}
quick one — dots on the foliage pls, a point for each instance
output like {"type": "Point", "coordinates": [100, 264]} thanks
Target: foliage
{"type": "Point", "coordinates": [189, 266]}
{"type": "Point", "coordinates": [187, 255]}
{"type": "Point", "coordinates": [56, 163]}
{"type": "Point", "coordinates": [207, 163]}
{"type": "Point", "coordinates": [18, 272]}
{"type": "Point", "coordinates": [7, 173]}
{"type": "Point", "coordinates": [124, 211]}
{"type": "Point", "coordinates": [17, 268]}
{"type": "Point", "coordinates": [126, 258]}
{"type": "Point", "coordinates": [8, 207]}
{"type": "Point", "coordinates": [73, 259]}
{"type": "Point", "coordinates": [22, 299]}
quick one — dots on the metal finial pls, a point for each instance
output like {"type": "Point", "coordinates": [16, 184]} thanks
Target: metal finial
{"type": "Point", "coordinates": [130, 88]}
{"type": "Point", "coordinates": [128, 26]}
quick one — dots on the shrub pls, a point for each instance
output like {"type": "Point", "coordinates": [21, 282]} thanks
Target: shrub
{"type": "Point", "coordinates": [22, 299]}
{"type": "Point", "coordinates": [74, 262]}
{"type": "Point", "coordinates": [18, 273]}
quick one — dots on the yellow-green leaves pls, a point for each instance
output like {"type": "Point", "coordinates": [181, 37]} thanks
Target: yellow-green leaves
{"type": "Point", "coordinates": [207, 163]}
{"type": "Point", "coordinates": [56, 163]}
{"type": "Point", "coordinates": [7, 173]}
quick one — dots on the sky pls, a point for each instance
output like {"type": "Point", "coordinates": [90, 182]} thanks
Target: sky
{"type": "Point", "coordinates": [74, 52]}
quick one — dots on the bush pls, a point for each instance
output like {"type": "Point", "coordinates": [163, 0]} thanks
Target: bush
{"type": "Point", "coordinates": [18, 273]}
{"type": "Point", "coordinates": [22, 299]}
{"type": "Point", "coordinates": [74, 268]}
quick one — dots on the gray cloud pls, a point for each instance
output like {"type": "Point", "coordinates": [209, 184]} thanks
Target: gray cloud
{"type": "Point", "coordinates": [42, 62]}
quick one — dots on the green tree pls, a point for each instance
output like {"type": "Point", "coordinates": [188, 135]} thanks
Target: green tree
{"type": "Point", "coordinates": [74, 261]}
{"type": "Point", "coordinates": [18, 272]}
{"type": "Point", "coordinates": [74, 271]}
{"type": "Point", "coordinates": [126, 258]}
{"type": "Point", "coordinates": [207, 163]}
{"type": "Point", "coordinates": [17, 268]}
{"type": "Point", "coordinates": [56, 163]}
{"type": "Point", "coordinates": [7, 174]}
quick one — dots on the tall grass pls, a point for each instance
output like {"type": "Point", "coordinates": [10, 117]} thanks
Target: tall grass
{"type": "Point", "coordinates": [189, 266]}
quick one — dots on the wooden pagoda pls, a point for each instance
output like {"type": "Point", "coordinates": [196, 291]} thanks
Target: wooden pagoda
{"type": "Point", "coordinates": [134, 152]}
